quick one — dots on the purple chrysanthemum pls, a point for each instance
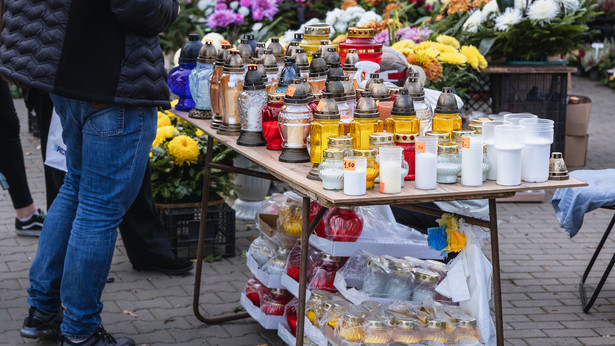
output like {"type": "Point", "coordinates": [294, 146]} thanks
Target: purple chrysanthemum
{"type": "Point", "coordinates": [223, 18]}
{"type": "Point", "coordinates": [382, 37]}
{"type": "Point", "coordinates": [221, 7]}
{"type": "Point", "coordinates": [244, 3]}
{"type": "Point", "coordinates": [264, 8]}
{"type": "Point", "coordinates": [415, 34]}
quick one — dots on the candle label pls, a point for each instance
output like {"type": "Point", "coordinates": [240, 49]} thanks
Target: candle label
{"type": "Point", "coordinates": [290, 91]}
{"type": "Point", "coordinates": [465, 142]}
{"type": "Point", "coordinates": [419, 147]}
{"type": "Point", "coordinates": [349, 165]}
{"type": "Point", "coordinates": [320, 105]}
{"type": "Point", "coordinates": [484, 119]}
{"type": "Point", "coordinates": [382, 186]}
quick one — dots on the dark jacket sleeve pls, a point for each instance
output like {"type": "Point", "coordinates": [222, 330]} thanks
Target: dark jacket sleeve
{"type": "Point", "coordinates": [146, 17]}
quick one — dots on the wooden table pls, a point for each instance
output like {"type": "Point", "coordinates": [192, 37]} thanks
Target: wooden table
{"type": "Point", "coordinates": [295, 176]}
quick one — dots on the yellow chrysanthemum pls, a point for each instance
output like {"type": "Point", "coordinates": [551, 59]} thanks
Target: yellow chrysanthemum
{"type": "Point", "coordinates": [444, 48]}
{"type": "Point", "coordinates": [184, 149]}
{"type": "Point", "coordinates": [448, 40]}
{"type": "Point", "coordinates": [423, 45]}
{"type": "Point", "coordinates": [199, 132]}
{"type": "Point", "coordinates": [471, 53]}
{"type": "Point", "coordinates": [163, 120]}
{"type": "Point", "coordinates": [453, 58]}
{"type": "Point", "coordinates": [403, 44]}
{"type": "Point", "coordinates": [169, 113]}
{"type": "Point", "coordinates": [431, 66]}
{"type": "Point", "coordinates": [482, 62]}
{"type": "Point", "coordinates": [431, 52]}
{"type": "Point", "coordinates": [162, 134]}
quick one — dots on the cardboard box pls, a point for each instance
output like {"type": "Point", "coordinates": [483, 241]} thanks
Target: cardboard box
{"type": "Point", "coordinates": [577, 116]}
{"type": "Point", "coordinates": [576, 151]}
{"type": "Point", "coordinates": [268, 224]}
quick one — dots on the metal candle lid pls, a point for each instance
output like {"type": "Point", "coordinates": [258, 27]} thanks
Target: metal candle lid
{"type": "Point", "coordinates": [317, 30]}
{"type": "Point", "coordinates": [208, 53]}
{"type": "Point", "coordinates": [269, 62]}
{"type": "Point", "coordinates": [301, 59]}
{"type": "Point", "coordinates": [368, 153]}
{"type": "Point", "coordinates": [435, 324]}
{"type": "Point", "coordinates": [380, 138]}
{"type": "Point", "coordinates": [245, 50]}
{"type": "Point", "coordinates": [370, 81]}
{"type": "Point", "coordinates": [340, 141]}
{"type": "Point", "coordinates": [234, 62]}
{"type": "Point", "coordinates": [295, 93]}
{"type": "Point", "coordinates": [448, 149]}
{"type": "Point", "coordinates": [291, 48]}
{"type": "Point", "coordinates": [366, 107]}
{"type": "Point", "coordinates": [425, 275]}
{"type": "Point", "coordinates": [405, 137]}
{"type": "Point", "coordinates": [276, 98]}
{"type": "Point", "coordinates": [457, 134]}
{"type": "Point", "coordinates": [447, 104]}
{"type": "Point", "coordinates": [260, 49]}
{"type": "Point", "coordinates": [329, 258]}
{"type": "Point", "coordinates": [254, 80]}
{"type": "Point", "coordinates": [223, 53]}
{"type": "Point", "coordinates": [190, 50]}
{"type": "Point", "coordinates": [415, 87]}
{"type": "Point", "coordinates": [277, 49]}
{"type": "Point", "coordinates": [332, 153]}
{"type": "Point", "coordinates": [351, 59]}
{"type": "Point", "coordinates": [443, 137]}
{"type": "Point", "coordinates": [332, 57]}
{"type": "Point", "coordinates": [468, 323]}
{"type": "Point", "coordinates": [336, 88]}
{"type": "Point", "coordinates": [379, 91]}
{"type": "Point", "coordinates": [318, 66]}
{"type": "Point", "coordinates": [327, 108]}
{"type": "Point", "coordinates": [403, 105]}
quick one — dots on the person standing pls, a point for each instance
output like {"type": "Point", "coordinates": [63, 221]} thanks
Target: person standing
{"type": "Point", "coordinates": [102, 64]}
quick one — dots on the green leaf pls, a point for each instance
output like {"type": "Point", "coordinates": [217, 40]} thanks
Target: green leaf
{"type": "Point", "coordinates": [485, 45]}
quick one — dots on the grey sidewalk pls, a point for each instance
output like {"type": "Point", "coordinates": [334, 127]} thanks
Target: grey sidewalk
{"type": "Point", "coordinates": [541, 268]}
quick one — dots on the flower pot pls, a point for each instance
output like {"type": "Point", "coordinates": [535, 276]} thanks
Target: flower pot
{"type": "Point", "coordinates": [251, 192]}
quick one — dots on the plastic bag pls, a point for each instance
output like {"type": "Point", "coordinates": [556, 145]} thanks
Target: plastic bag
{"type": "Point", "coordinates": [262, 249]}
{"type": "Point", "coordinates": [289, 319]}
{"type": "Point", "coordinates": [56, 149]}
{"type": "Point", "coordinates": [469, 282]}
{"type": "Point", "coordinates": [293, 262]}
{"type": "Point", "coordinates": [379, 223]}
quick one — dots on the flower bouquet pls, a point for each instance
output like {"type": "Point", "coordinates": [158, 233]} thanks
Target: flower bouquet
{"type": "Point", "coordinates": [177, 161]}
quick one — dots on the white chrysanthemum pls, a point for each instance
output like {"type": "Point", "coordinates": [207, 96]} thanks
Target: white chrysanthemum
{"type": "Point", "coordinates": [204, 4]}
{"type": "Point", "coordinates": [473, 22]}
{"type": "Point", "coordinates": [490, 9]}
{"type": "Point", "coordinates": [368, 17]}
{"type": "Point", "coordinates": [510, 17]}
{"type": "Point", "coordinates": [543, 11]}
{"type": "Point", "coordinates": [521, 4]}
{"type": "Point", "coordinates": [570, 5]}
{"type": "Point", "coordinates": [354, 12]}
{"type": "Point", "coordinates": [234, 5]}
{"type": "Point", "coordinates": [244, 11]}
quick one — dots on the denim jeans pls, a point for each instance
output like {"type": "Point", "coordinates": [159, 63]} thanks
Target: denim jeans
{"type": "Point", "coordinates": [107, 150]}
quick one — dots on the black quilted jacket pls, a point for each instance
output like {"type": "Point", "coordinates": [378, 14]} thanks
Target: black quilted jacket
{"type": "Point", "coordinates": [94, 50]}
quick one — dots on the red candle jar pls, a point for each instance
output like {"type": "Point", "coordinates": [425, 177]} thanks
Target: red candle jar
{"type": "Point", "coordinates": [255, 290]}
{"type": "Point", "coordinates": [290, 313]}
{"type": "Point", "coordinates": [320, 228]}
{"type": "Point", "coordinates": [324, 275]}
{"type": "Point", "coordinates": [361, 39]}
{"type": "Point", "coordinates": [274, 301]}
{"type": "Point", "coordinates": [343, 224]}
{"type": "Point", "coordinates": [406, 141]}
{"type": "Point", "coordinates": [293, 263]}
{"type": "Point", "coordinates": [270, 121]}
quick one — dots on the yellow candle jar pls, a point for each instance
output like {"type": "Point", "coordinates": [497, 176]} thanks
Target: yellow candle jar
{"type": "Point", "coordinates": [406, 330]}
{"type": "Point", "coordinates": [444, 138]}
{"type": "Point", "coordinates": [376, 332]}
{"type": "Point", "coordinates": [366, 121]}
{"type": "Point", "coordinates": [457, 134]}
{"type": "Point", "coordinates": [446, 115]}
{"type": "Point", "coordinates": [342, 142]}
{"type": "Point", "coordinates": [312, 36]}
{"type": "Point", "coordinates": [466, 332]}
{"type": "Point", "coordinates": [373, 169]}
{"type": "Point", "coordinates": [314, 305]}
{"type": "Point", "coordinates": [434, 330]}
{"type": "Point", "coordinates": [326, 124]}
{"type": "Point", "coordinates": [403, 116]}
{"type": "Point", "coordinates": [350, 327]}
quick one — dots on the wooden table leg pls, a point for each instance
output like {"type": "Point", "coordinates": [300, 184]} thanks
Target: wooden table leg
{"type": "Point", "coordinates": [495, 259]}
{"type": "Point", "coordinates": [199, 253]}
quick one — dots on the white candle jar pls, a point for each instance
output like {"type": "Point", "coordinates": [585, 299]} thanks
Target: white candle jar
{"type": "Point", "coordinates": [390, 169]}
{"type": "Point", "coordinates": [355, 172]}
{"type": "Point", "coordinates": [472, 160]}
{"type": "Point", "coordinates": [331, 169]}
{"type": "Point", "coordinates": [449, 163]}
{"type": "Point", "coordinates": [425, 163]}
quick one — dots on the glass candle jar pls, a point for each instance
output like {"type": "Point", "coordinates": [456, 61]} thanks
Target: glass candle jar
{"type": "Point", "coordinates": [335, 86]}
{"type": "Point", "coordinates": [271, 71]}
{"type": "Point", "coordinates": [343, 225]}
{"type": "Point", "coordinates": [294, 123]}
{"type": "Point", "coordinates": [406, 141]}
{"type": "Point", "coordinates": [287, 76]}
{"type": "Point", "coordinates": [254, 291]}
{"type": "Point", "coordinates": [259, 51]}
{"type": "Point", "coordinates": [472, 160]}
{"type": "Point", "coordinates": [199, 81]}
{"type": "Point", "coordinates": [290, 313]}
{"type": "Point", "coordinates": [373, 168]}
{"type": "Point", "coordinates": [374, 279]}
{"type": "Point", "coordinates": [323, 49]}
{"type": "Point", "coordinates": [312, 36]}
{"type": "Point", "coordinates": [214, 91]}
{"type": "Point", "coordinates": [376, 332]}
{"type": "Point", "coordinates": [302, 62]}
{"type": "Point", "coordinates": [342, 142]}
{"type": "Point", "coordinates": [349, 327]}
{"type": "Point", "coordinates": [366, 121]}
{"type": "Point", "coordinates": [425, 163]}
{"type": "Point", "coordinates": [362, 40]}
{"type": "Point", "coordinates": [446, 115]}
{"type": "Point", "coordinates": [331, 312]}
{"type": "Point", "coordinates": [426, 282]}
{"type": "Point", "coordinates": [331, 169]}
{"type": "Point", "coordinates": [314, 305]}
{"type": "Point", "coordinates": [262, 249]}
{"type": "Point", "coordinates": [179, 76]}
{"type": "Point", "coordinates": [324, 275]}
{"type": "Point", "coordinates": [378, 140]}
{"type": "Point", "coordinates": [390, 169]}
{"type": "Point", "coordinates": [270, 121]}
{"type": "Point", "coordinates": [406, 330]}
{"type": "Point", "coordinates": [400, 284]}
{"type": "Point", "coordinates": [290, 50]}
{"type": "Point", "coordinates": [403, 117]}
{"type": "Point", "coordinates": [486, 163]}
{"type": "Point", "coordinates": [326, 124]}
{"type": "Point", "coordinates": [231, 86]}
{"type": "Point", "coordinates": [314, 209]}
{"type": "Point", "coordinates": [349, 67]}
{"type": "Point", "coordinates": [355, 172]}
{"type": "Point", "coordinates": [423, 110]}
{"type": "Point", "coordinates": [293, 261]}
{"type": "Point", "coordinates": [442, 137]}
{"type": "Point", "coordinates": [277, 50]}
{"type": "Point", "coordinates": [466, 332]}
{"type": "Point", "coordinates": [449, 163]}
{"type": "Point", "coordinates": [318, 73]}
{"type": "Point", "coordinates": [289, 221]}
{"type": "Point", "coordinates": [274, 302]}
{"type": "Point", "coordinates": [276, 264]}
{"type": "Point", "coordinates": [434, 330]}
{"type": "Point", "coordinates": [314, 99]}
{"type": "Point", "coordinates": [457, 134]}
{"type": "Point", "coordinates": [251, 102]}
{"type": "Point", "coordinates": [245, 50]}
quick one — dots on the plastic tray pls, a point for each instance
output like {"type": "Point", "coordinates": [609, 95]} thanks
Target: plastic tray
{"type": "Point", "coordinates": [271, 281]}
{"type": "Point", "coordinates": [292, 286]}
{"type": "Point", "coordinates": [267, 321]}
{"type": "Point", "coordinates": [346, 249]}
{"type": "Point", "coordinates": [314, 333]}
{"type": "Point", "coordinates": [286, 336]}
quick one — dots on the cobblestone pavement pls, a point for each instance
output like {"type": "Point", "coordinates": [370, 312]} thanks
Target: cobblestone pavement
{"type": "Point", "coordinates": [541, 268]}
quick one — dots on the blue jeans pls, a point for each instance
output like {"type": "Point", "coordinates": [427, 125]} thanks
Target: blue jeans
{"type": "Point", "coordinates": [107, 150]}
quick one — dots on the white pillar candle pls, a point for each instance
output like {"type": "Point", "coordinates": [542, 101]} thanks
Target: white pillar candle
{"type": "Point", "coordinates": [355, 175]}
{"type": "Point", "coordinates": [508, 144]}
{"type": "Point", "coordinates": [472, 160]}
{"type": "Point", "coordinates": [425, 163]}
{"type": "Point", "coordinates": [390, 169]}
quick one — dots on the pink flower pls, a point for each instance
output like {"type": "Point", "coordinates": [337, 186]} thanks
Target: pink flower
{"type": "Point", "coordinates": [223, 18]}
{"type": "Point", "coordinates": [221, 7]}
{"type": "Point", "coordinates": [244, 3]}
{"type": "Point", "coordinates": [382, 37]}
{"type": "Point", "coordinates": [415, 34]}
{"type": "Point", "coordinates": [264, 8]}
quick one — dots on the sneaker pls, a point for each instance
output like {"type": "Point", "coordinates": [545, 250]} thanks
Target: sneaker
{"type": "Point", "coordinates": [41, 325]}
{"type": "Point", "coordinates": [32, 227]}
{"type": "Point", "coordinates": [101, 338]}
{"type": "Point", "coordinates": [176, 266]}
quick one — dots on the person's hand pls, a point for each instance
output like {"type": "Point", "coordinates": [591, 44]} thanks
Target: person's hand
{"type": "Point", "coordinates": [179, 9]}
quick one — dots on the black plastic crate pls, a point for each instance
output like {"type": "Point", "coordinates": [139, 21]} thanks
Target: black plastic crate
{"type": "Point", "coordinates": [543, 94]}
{"type": "Point", "coordinates": [182, 225]}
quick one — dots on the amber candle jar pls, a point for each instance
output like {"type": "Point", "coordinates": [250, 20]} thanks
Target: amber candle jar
{"type": "Point", "coordinates": [312, 36]}
{"type": "Point", "coordinates": [373, 169]}
{"type": "Point", "coordinates": [231, 86]}
{"type": "Point", "coordinates": [446, 115]}
{"type": "Point", "coordinates": [214, 92]}
{"type": "Point", "coordinates": [403, 117]}
{"type": "Point", "coordinates": [326, 124]}
{"type": "Point", "coordinates": [366, 121]}
{"type": "Point", "coordinates": [318, 74]}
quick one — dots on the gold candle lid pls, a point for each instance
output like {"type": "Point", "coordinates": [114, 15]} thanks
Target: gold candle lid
{"type": "Point", "coordinates": [279, 291]}
{"type": "Point", "coordinates": [425, 275]}
{"type": "Point", "coordinates": [477, 127]}
{"type": "Point", "coordinates": [369, 153]}
{"type": "Point", "coordinates": [354, 317]}
{"type": "Point", "coordinates": [375, 323]}
{"type": "Point", "coordinates": [436, 266]}
{"type": "Point", "coordinates": [317, 29]}
{"type": "Point", "coordinates": [276, 98]}
{"type": "Point", "coordinates": [405, 137]}
{"type": "Point", "coordinates": [448, 149]}
{"type": "Point", "coordinates": [457, 134]}
{"type": "Point", "coordinates": [435, 324]}
{"type": "Point", "coordinates": [340, 141]}
{"type": "Point", "coordinates": [468, 323]}
{"type": "Point", "coordinates": [333, 153]}
{"type": "Point", "coordinates": [405, 322]}
{"type": "Point", "coordinates": [319, 294]}
{"type": "Point", "coordinates": [394, 91]}
{"type": "Point", "coordinates": [381, 138]}
{"type": "Point", "coordinates": [443, 137]}
{"type": "Point", "coordinates": [361, 32]}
